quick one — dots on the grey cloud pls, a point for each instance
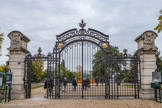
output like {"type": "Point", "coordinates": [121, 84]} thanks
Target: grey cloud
{"type": "Point", "coordinates": [42, 20]}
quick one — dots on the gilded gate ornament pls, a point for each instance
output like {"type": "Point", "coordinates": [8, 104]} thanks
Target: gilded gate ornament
{"type": "Point", "coordinates": [104, 45]}
{"type": "Point", "coordinates": [60, 45]}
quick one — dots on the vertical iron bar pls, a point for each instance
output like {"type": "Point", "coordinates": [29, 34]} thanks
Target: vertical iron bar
{"type": "Point", "coordinates": [135, 77]}
{"type": "Point", "coordinates": [59, 77]}
{"type": "Point", "coordinates": [48, 77]}
{"type": "Point", "coordinates": [49, 71]}
{"type": "Point", "coordinates": [55, 55]}
{"type": "Point", "coordinates": [117, 77]}
{"type": "Point", "coordinates": [106, 60]}
{"type": "Point", "coordinates": [109, 66]}
{"type": "Point", "coordinates": [82, 70]}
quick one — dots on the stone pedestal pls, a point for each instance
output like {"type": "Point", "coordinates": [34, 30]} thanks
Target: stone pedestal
{"type": "Point", "coordinates": [146, 51]}
{"type": "Point", "coordinates": [18, 51]}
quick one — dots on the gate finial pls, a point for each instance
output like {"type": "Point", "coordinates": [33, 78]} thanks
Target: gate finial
{"type": "Point", "coordinates": [125, 52]}
{"type": "Point", "coordinates": [39, 50]}
{"type": "Point", "coordinates": [82, 24]}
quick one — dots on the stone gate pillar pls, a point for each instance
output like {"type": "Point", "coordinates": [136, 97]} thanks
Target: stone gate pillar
{"type": "Point", "coordinates": [146, 51]}
{"type": "Point", "coordinates": [18, 51]}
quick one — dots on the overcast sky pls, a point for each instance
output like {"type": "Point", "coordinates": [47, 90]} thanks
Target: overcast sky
{"type": "Point", "coordinates": [42, 20]}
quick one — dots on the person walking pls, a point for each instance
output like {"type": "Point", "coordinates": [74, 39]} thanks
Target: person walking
{"type": "Point", "coordinates": [88, 81]}
{"type": "Point", "coordinates": [45, 87]}
{"type": "Point", "coordinates": [64, 84]}
{"type": "Point", "coordinates": [50, 86]}
{"type": "Point", "coordinates": [96, 80]}
{"type": "Point", "coordinates": [74, 83]}
{"type": "Point", "coordinates": [84, 84]}
{"type": "Point", "coordinates": [102, 81]}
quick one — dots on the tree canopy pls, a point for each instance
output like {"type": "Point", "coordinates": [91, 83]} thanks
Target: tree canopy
{"type": "Point", "coordinates": [37, 71]}
{"type": "Point", "coordinates": [159, 26]}
{"type": "Point", "coordinates": [1, 40]}
{"type": "Point", "coordinates": [3, 67]}
{"type": "Point", "coordinates": [63, 70]}
{"type": "Point", "coordinates": [159, 60]}
{"type": "Point", "coordinates": [99, 62]}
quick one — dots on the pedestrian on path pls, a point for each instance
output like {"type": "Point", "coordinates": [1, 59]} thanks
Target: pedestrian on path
{"type": "Point", "coordinates": [74, 83]}
{"type": "Point", "coordinates": [65, 84]}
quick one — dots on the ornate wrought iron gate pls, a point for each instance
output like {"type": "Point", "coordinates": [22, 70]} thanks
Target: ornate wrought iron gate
{"type": "Point", "coordinates": [78, 63]}
{"type": "Point", "coordinates": [83, 65]}
{"type": "Point", "coordinates": [28, 68]}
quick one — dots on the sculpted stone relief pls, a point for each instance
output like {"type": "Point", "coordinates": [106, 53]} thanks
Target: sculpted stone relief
{"type": "Point", "coordinates": [15, 40]}
{"type": "Point", "coordinates": [149, 40]}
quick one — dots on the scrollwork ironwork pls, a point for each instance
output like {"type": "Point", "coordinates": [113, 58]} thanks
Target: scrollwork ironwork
{"type": "Point", "coordinates": [82, 34]}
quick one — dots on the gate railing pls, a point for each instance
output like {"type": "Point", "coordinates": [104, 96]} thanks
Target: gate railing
{"type": "Point", "coordinates": [124, 76]}
{"type": "Point", "coordinates": [122, 79]}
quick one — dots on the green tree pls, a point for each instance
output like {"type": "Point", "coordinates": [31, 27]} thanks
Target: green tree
{"type": "Point", "coordinates": [63, 70]}
{"type": "Point", "coordinates": [1, 40]}
{"type": "Point", "coordinates": [99, 61]}
{"type": "Point", "coordinates": [37, 71]}
{"type": "Point", "coordinates": [159, 60]}
{"type": "Point", "coordinates": [69, 75]}
{"type": "Point", "coordinates": [3, 67]}
{"type": "Point", "coordinates": [159, 26]}
{"type": "Point", "coordinates": [63, 63]}
{"type": "Point", "coordinates": [127, 73]}
{"type": "Point", "coordinates": [44, 76]}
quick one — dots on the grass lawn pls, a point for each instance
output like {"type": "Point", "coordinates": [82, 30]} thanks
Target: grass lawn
{"type": "Point", "coordinates": [130, 86]}
{"type": "Point", "coordinates": [37, 87]}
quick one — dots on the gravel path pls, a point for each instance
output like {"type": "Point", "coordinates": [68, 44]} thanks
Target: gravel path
{"type": "Point", "coordinates": [37, 101]}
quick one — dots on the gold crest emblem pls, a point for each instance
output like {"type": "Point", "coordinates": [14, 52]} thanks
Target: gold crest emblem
{"type": "Point", "coordinates": [60, 45]}
{"type": "Point", "coordinates": [104, 45]}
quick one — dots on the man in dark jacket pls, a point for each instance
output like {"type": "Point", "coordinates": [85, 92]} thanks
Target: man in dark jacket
{"type": "Point", "coordinates": [88, 81]}
{"type": "Point", "coordinates": [65, 84]}
{"type": "Point", "coordinates": [50, 85]}
{"type": "Point", "coordinates": [84, 84]}
{"type": "Point", "coordinates": [102, 81]}
{"type": "Point", "coordinates": [45, 87]}
{"type": "Point", "coordinates": [96, 80]}
{"type": "Point", "coordinates": [45, 84]}
{"type": "Point", "coordinates": [74, 83]}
